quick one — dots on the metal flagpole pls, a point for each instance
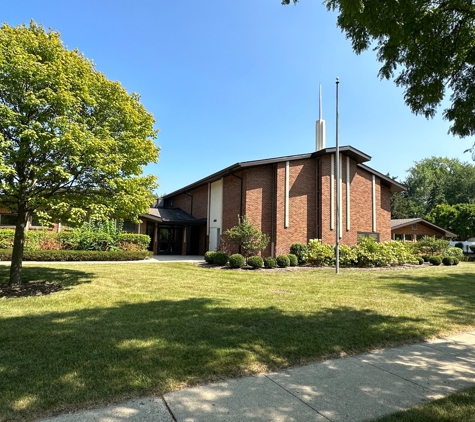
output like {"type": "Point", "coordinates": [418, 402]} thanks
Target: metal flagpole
{"type": "Point", "coordinates": [338, 204]}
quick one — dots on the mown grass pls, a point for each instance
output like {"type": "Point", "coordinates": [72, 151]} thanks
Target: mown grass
{"type": "Point", "coordinates": [457, 407]}
{"type": "Point", "coordinates": [124, 330]}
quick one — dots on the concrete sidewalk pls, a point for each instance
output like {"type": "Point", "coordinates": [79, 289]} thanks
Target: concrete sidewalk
{"type": "Point", "coordinates": [357, 388]}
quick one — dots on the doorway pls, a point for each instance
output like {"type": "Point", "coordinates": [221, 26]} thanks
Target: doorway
{"type": "Point", "coordinates": [169, 240]}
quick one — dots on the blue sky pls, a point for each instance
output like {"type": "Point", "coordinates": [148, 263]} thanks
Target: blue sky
{"type": "Point", "coordinates": [231, 81]}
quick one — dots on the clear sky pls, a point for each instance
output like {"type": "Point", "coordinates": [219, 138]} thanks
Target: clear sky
{"type": "Point", "coordinates": [232, 81]}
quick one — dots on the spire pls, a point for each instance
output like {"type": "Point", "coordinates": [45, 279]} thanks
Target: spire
{"type": "Point", "coordinates": [320, 104]}
{"type": "Point", "coordinates": [320, 127]}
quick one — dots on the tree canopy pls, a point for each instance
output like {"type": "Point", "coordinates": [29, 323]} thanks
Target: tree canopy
{"type": "Point", "coordinates": [459, 218]}
{"type": "Point", "coordinates": [72, 143]}
{"type": "Point", "coordinates": [434, 181]}
{"type": "Point", "coordinates": [427, 46]}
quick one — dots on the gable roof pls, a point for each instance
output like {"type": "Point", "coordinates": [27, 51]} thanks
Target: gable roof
{"type": "Point", "coordinates": [353, 153]}
{"type": "Point", "coordinates": [403, 222]}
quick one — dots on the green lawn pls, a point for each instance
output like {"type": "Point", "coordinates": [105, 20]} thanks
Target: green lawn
{"type": "Point", "coordinates": [123, 330]}
{"type": "Point", "coordinates": [458, 407]}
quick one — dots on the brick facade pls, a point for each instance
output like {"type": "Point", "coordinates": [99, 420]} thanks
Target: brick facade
{"type": "Point", "coordinates": [258, 190]}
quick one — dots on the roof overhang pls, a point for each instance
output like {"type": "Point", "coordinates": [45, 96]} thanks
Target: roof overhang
{"type": "Point", "coordinates": [353, 153]}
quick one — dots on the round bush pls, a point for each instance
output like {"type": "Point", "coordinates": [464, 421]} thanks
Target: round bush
{"type": "Point", "coordinates": [209, 257]}
{"type": "Point", "coordinates": [255, 262]}
{"type": "Point", "coordinates": [270, 262]}
{"type": "Point", "coordinates": [448, 260]}
{"type": "Point", "coordinates": [300, 251]}
{"type": "Point", "coordinates": [456, 260]}
{"type": "Point", "coordinates": [435, 260]}
{"type": "Point", "coordinates": [236, 261]}
{"type": "Point", "coordinates": [425, 258]}
{"type": "Point", "coordinates": [283, 261]}
{"type": "Point", "coordinates": [419, 260]}
{"type": "Point", "coordinates": [293, 260]}
{"type": "Point", "coordinates": [220, 258]}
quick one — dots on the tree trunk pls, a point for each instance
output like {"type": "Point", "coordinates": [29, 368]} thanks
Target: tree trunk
{"type": "Point", "coordinates": [18, 246]}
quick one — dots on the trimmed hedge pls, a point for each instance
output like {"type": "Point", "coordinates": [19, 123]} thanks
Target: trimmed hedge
{"type": "Point", "coordinates": [48, 240]}
{"type": "Point", "coordinates": [435, 260]}
{"type": "Point", "coordinates": [59, 255]}
{"type": "Point", "coordinates": [255, 262]}
{"type": "Point", "coordinates": [270, 262]}
{"type": "Point", "coordinates": [300, 251]}
{"type": "Point", "coordinates": [283, 261]}
{"type": "Point", "coordinates": [236, 261]}
{"type": "Point", "coordinates": [220, 258]}
{"type": "Point", "coordinates": [293, 260]}
{"type": "Point", "coordinates": [209, 257]}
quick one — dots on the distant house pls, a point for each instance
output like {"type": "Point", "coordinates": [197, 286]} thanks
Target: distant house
{"type": "Point", "coordinates": [291, 199]}
{"type": "Point", "coordinates": [413, 229]}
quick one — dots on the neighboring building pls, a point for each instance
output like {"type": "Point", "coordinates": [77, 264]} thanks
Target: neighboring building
{"type": "Point", "coordinates": [292, 199]}
{"type": "Point", "coordinates": [413, 229]}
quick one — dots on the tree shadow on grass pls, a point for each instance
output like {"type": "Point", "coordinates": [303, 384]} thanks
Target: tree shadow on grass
{"type": "Point", "coordinates": [455, 289]}
{"type": "Point", "coordinates": [37, 274]}
{"type": "Point", "coordinates": [63, 360]}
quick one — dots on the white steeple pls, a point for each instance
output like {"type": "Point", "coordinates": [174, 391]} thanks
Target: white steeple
{"type": "Point", "coordinates": [320, 128]}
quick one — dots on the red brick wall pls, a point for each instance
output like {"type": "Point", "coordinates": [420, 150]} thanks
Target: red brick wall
{"type": "Point", "coordinates": [231, 200]}
{"type": "Point", "coordinates": [200, 202]}
{"type": "Point", "coordinates": [361, 211]}
{"type": "Point", "coordinates": [259, 200]}
{"type": "Point", "coordinates": [302, 202]}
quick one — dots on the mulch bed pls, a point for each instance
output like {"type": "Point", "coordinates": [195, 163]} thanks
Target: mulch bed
{"type": "Point", "coordinates": [38, 288]}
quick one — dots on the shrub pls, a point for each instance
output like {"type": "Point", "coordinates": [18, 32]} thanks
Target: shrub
{"type": "Point", "coordinates": [431, 246]}
{"type": "Point", "coordinates": [283, 261]}
{"type": "Point", "coordinates": [448, 260]}
{"type": "Point", "coordinates": [220, 258]}
{"type": "Point", "coordinates": [300, 251]}
{"type": "Point", "coordinates": [6, 238]}
{"type": "Point", "coordinates": [270, 262]}
{"type": "Point", "coordinates": [419, 260]}
{"type": "Point", "coordinates": [293, 260]}
{"type": "Point", "coordinates": [319, 253]}
{"type": "Point", "coordinates": [435, 260]}
{"type": "Point", "coordinates": [425, 258]}
{"type": "Point", "coordinates": [69, 255]}
{"type": "Point", "coordinates": [459, 245]}
{"type": "Point", "coordinates": [347, 255]}
{"type": "Point", "coordinates": [456, 260]}
{"type": "Point", "coordinates": [209, 257]}
{"type": "Point", "coordinates": [454, 252]}
{"type": "Point", "coordinates": [247, 236]}
{"type": "Point", "coordinates": [130, 241]}
{"type": "Point", "coordinates": [255, 262]}
{"type": "Point", "coordinates": [236, 261]}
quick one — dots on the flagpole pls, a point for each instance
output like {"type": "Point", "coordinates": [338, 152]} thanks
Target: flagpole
{"type": "Point", "coordinates": [338, 204]}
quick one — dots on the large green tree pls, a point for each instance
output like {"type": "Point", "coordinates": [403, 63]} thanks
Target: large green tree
{"type": "Point", "coordinates": [427, 46]}
{"type": "Point", "coordinates": [434, 181]}
{"type": "Point", "coordinates": [72, 143]}
{"type": "Point", "coordinates": [459, 218]}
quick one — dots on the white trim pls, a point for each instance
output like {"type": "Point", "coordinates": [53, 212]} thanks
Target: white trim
{"type": "Point", "coordinates": [374, 203]}
{"type": "Point", "coordinates": [348, 195]}
{"type": "Point", "coordinates": [332, 192]}
{"type": "Point", "coordinates": [208, 210]}
{"type": "Point", "coordinates": [340, 196]}
{"type": "Point", "coordinates": [286, 204]}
